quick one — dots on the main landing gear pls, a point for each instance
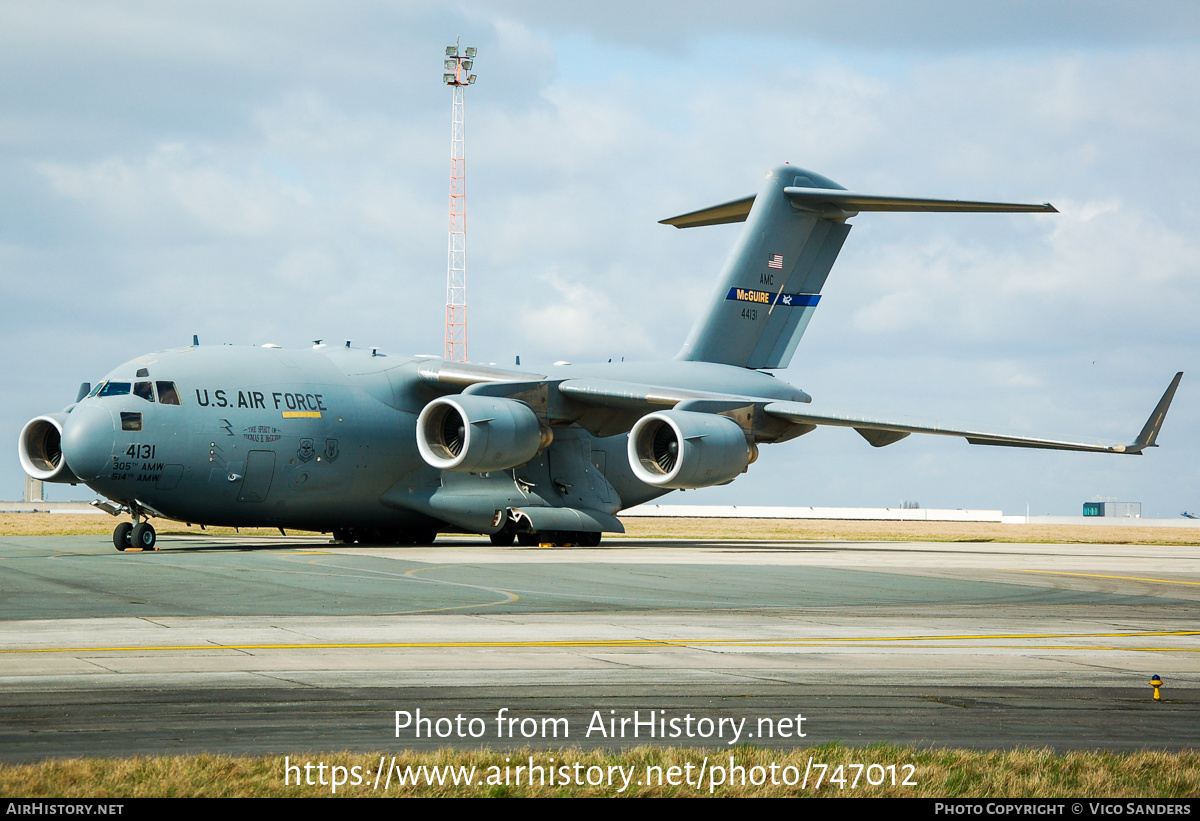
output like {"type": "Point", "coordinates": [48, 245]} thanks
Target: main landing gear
{"type": "Point", "coordinates": [556, 538]}
{"type": "Point", "coordinates": [140, 535]}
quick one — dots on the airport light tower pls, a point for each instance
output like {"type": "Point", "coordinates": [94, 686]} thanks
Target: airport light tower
{"type": "Point", "coordinates": [457, 75]}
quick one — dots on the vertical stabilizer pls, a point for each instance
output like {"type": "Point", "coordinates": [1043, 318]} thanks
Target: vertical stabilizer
{"type": "Point", "coordinates": [771, 283]}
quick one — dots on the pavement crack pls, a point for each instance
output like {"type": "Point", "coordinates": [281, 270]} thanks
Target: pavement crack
{"type": "Point", "coordinates": [946, 702]}
{"type": "Point", "coordinates": [287, 680]}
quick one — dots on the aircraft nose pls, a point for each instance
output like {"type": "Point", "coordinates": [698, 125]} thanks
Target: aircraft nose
{"type": "Point", "coordinates": [87, 440]}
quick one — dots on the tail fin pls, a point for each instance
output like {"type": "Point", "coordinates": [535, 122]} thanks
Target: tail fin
{"type": "Point", "coordinates": [771, 284]}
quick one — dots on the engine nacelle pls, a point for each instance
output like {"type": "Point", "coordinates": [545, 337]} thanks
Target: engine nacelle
{"type": "Point", "coordinates": [477, 434]}
{"type": "Point", "coordinates": [40, 449]}
{"type": "Point", "coordinates": [685, 449]}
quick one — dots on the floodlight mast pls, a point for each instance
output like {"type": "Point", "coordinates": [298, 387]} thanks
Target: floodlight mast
{"type": "Point", "coordinates": [457, 77]}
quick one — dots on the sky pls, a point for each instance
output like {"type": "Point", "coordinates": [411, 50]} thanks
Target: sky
{"type": "Point", "coordinates": [273, 172]}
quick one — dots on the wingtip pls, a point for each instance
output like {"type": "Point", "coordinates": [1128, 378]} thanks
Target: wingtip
{"type": "Point", "coordinates": [1146, 439]}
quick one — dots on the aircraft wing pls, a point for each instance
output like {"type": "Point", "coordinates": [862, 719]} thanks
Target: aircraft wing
{"type": "Point", "coordinates": [762, 417]}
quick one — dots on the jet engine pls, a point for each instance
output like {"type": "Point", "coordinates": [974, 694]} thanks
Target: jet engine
{"type": "Point", "coordinates": [40, 449]}
{"type": "Point", "coordinates": [685, 449]}
{"type": "Point", "coordinates": [477, 434]}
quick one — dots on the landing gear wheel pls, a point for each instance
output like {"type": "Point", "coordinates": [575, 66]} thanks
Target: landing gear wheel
{"type": "Point", "coordinates": [528, 539]}
{"type": "Point", "coordinates": [503, 539]}
{"type": "Point", "coordinates": [590, 539]}
{"type": "Point", "coordinates": [122, 538]}
{"type": "Point", "coordinates": [424, 537]}
{"type": "Point", "coordinates": [144, 536]}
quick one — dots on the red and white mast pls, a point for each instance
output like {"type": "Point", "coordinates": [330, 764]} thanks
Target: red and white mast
{"type": "Point", "coordinates": [457, 76]}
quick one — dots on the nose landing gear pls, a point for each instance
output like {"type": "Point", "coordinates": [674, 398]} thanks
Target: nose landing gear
{"type": "Point", "coordinates": [127, 535]}
{"type": "Point", "coordinates": [123, 536]}
{"type": "Point", "coordinates": [143, 536]}
{"type": "Point", "coordinates": [136, 534]}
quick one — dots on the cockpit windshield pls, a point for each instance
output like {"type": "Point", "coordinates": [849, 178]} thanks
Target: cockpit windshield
{"type": "Point", "coordinates": [168, 392]}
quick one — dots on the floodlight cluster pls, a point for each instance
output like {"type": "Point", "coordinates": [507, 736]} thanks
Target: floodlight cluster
{"type": "Point", "coordinates": [458, 66]}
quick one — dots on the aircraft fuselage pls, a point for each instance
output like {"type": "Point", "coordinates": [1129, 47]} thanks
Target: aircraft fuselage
{"type": "Point", "coordinates": [325, 439]}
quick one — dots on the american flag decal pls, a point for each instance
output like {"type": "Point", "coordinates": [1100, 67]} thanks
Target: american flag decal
{"type": "Point", "coordinates": [776, 261]}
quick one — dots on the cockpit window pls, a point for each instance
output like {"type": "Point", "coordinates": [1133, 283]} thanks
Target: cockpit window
{"type": "Point", "coordinates": [115, 389]}
{"type": "Point", "coordinates": [96, 389]}
{"type": "Point", "coordinates": [168, 394]}
{"type": "Point", "coordinates": [142, 390]}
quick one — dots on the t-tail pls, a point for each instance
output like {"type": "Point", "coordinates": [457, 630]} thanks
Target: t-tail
{"type": "Point", "coordinates": [771, 284]}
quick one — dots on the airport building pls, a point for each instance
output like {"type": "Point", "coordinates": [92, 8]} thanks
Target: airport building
{"type": "Point", "coordinates": [1109, 507]}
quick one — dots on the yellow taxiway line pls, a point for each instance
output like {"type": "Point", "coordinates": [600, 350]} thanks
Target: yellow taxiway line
{"type": "Point", "coordinates": [881, 641]}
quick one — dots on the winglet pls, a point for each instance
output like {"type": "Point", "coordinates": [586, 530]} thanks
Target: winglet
{"type": "Point", "coordinates": [1153, 425]}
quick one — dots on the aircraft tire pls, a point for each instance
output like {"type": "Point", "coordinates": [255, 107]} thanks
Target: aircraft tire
{"type": "Point", "coordinates": [528, 539]}
{"type": "Point", "coordinates": [122, 538]}
{"type": "Point", "coordinates": [590, 539]}
{"type": "Point", "coordinates": [504, 538]}
{"type": "Point", "coordinates": [143, 536]}
{"type": "Point", "coordinates": [424, 537]}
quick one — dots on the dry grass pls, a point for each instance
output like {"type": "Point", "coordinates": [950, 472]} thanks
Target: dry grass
{"type": "Point", "coordinates": [827, 529]}
{"type": "Point", "coordinates": [90, 524]}
{"type": "Point", "coordinates": [937, 774]}
{"type": "Point", "coordinates": [64, 524]}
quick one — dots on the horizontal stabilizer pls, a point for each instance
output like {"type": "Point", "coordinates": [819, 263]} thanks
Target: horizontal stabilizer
{"type": "Point", "coordinates": [841, 204]}
{"type": "Point", "coordinates": [732, 211]}
{"type": "Point", "coordinates": [824, 199]}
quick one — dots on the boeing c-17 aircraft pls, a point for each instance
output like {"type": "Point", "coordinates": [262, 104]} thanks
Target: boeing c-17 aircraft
{"type": "Point", "coordinates": [379, 448]}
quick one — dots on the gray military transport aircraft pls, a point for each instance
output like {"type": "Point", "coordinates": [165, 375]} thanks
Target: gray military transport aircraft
{"type": "Point", "coordinates": [381, 448]}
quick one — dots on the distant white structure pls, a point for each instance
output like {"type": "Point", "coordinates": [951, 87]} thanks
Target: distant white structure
{"type": "Point", "coordinates": [1109, 507]}
{"type": "Point", "coordinates": [901, 514]}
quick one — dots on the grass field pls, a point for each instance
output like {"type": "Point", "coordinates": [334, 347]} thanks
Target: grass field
{"type": "Point", "coordinates": [935, 774]}
{"type": "Point", "coordinates": [63, 524]}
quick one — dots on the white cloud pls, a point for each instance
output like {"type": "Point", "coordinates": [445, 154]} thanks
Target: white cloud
{"type": "Point", "coordinates": [176, 189]}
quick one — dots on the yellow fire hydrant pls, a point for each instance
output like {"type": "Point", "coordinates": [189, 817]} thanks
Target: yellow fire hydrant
{"type": "Point", "coordinates": [1156, 682]}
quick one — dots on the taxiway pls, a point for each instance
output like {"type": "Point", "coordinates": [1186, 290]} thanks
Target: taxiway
{"type": "Point", "coordinates": [257, 644]}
